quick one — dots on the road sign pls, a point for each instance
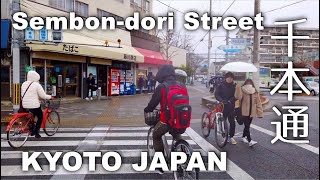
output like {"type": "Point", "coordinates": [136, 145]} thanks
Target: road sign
{"type": "Point", "coordinates": [231, 48]}
{"type": "Point", "coordinates": [43, 34]}
{"type": "Point", "coordinates": [29, 33]}
{"type": "Point", "coordinates": [241, 41]}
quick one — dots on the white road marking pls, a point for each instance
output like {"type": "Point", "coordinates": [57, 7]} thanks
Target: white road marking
{"type": "Point", "coordinates": [273, 134]}
{"type": "Point", "coordinates": [233, 170]}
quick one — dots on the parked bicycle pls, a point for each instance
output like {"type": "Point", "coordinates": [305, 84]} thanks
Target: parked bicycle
{"type": "Point", "coordinates": [213, 119]}
{"type": "Point", "coordinates": [21, 124]}
{"type": "Point", "coordinates": [177, 145]}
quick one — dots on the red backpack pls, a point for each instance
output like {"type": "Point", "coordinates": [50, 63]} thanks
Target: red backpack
{"type": "Point", "coordinates": [175, 108]}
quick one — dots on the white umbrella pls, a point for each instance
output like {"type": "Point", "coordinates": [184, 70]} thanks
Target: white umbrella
{"type": "Point", "coordinates": [239, 67]}
{"type": "Point", "coordinates": [180, 72]}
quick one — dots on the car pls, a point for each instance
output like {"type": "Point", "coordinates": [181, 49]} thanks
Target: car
{"type": "Point", "coordinates": [273, 83]}
{"type": "Point", "coordinates": [313, 87]}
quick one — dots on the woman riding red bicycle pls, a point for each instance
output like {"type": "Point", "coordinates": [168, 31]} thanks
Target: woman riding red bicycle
{"type": "Point", "coordinates": [31, 94]}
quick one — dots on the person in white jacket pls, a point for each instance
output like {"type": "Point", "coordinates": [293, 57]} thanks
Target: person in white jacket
{"type": "Point", "coordinates": [32, 97]}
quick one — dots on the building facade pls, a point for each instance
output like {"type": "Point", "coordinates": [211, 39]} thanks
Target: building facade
{"type": "Point", "coordinates": [275, 52]}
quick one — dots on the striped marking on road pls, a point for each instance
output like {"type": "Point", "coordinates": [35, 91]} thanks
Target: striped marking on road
{"type": "Point", "coordinates": [122, 152]}
{"type": "Point", "coordinates": [233, 170]}
{"type": "Point", "coordinates": [273, 134]}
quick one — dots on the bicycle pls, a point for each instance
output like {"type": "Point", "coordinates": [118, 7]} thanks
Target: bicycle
{"type": "Point", "coordinates": [177, 145]}
{"type": "Point", "coordinates": [21, 124]}
{"type": "Point", "coordinates": [219, 123]}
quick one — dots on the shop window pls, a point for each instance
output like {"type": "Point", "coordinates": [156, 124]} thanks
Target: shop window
{"type": "Point", "coordinates": [82, 9]}
{"type": "Point", "coordinates": [5, 82]}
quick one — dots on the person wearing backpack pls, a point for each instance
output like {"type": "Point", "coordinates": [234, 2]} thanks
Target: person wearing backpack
{"type": "Point", "coordinates": [225, 94]}
{"type": "Point", "coordinates": [250, 105]}
{"type": "Point", "coordinates": [31, 93]}
{"type": "Point", "coordinates": [175, 111]}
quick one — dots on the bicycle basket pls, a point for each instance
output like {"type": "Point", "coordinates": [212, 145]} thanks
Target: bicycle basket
{"type": "Point", "coordinates": [54, 104]}
{"type": "Point", "coordinates": [152, 118]}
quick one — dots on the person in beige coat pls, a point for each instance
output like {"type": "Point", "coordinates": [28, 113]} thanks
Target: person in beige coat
{"type": "Point", "coordinates": [251, 107]}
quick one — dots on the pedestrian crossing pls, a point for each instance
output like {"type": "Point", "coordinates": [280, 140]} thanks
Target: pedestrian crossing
{"type": "Point", "coordinates": [129, 142]}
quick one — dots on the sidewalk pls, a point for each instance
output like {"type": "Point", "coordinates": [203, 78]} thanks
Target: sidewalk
{"type": "Point", "coordinates": [116, 111]}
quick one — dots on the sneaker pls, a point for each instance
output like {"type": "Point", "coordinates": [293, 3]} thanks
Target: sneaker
{"type": "Point", "coordinates": [245, 140]}
{"type": "Point", "coordinates": [233, 141]}
{"type": "Point", "coordinates": [91, 98]}
{"type": "Point", "coordinates": [252, 143]}
{"type": "Point", "coordinates": [159, 171]}
{"type": "Point", "coordinates": [87, 98]}
{"type": "Point", "coordinates": [32, 133]}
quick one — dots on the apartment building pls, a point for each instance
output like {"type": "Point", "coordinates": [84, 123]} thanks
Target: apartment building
{"type": "Point", "coordinates": [274, 51]}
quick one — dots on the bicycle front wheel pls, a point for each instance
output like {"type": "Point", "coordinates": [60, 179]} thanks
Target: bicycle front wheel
{"type": "Point", "coordinates": [150, 144]}
{"type": "Point", "coordinates": [18, 134]}
{"type": "Point", "coordinates": [205, 124]}
{"type": "Point", "coordinates": [221, 131]}
{"type": "Point", "coordinates": [182, 173]}
{"type": "Point", "coordinates": [52, 123]}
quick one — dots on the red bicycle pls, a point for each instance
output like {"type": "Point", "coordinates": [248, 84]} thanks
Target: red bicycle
{"type": "Point", "coordinates": [21, 124]}
{"type": "Point", "coordinates": [213, 119]}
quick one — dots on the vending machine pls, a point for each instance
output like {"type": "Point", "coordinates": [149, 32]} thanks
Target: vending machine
{"type": "Point", "coordinates": [129, 82]}
{"type": "Point", "coordinates": [114, 82]}
{"type": "Point", "coordinates": [122, 82]}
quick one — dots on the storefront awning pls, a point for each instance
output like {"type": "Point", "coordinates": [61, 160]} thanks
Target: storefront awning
{"type": "Point", "coordinates": [5, 29]}
{"type": "Point", "coordinates": [84, 46]}
{"type": "Point", "coordinates": [152, 57]}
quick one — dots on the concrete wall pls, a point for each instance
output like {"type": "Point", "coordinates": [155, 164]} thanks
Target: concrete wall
{"type": "Point", "coordinates": [180, 56]}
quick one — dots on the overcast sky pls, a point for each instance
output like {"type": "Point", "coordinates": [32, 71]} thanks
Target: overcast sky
{"type": "Point", "coordinates": [307, 9]}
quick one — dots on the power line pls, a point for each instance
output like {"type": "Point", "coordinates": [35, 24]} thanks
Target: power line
{"type": "Point", "coordinates": [170, 7]}
{"type": "Point", "coordinates": [284, 6]}
{"type": "Point", "coordinates": [221, 16]}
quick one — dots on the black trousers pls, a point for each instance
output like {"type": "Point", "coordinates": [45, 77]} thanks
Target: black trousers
{"type": "Point", "coordinates": [232, 123]}
{"type": "Point", "coordinates": [90, 88]}
{"type": "Point", "coordinates": [246, 131]}
{"type": "Point", "coordinates": [37, 113]}
{"type": "Point", "coordinates": [160, 129]}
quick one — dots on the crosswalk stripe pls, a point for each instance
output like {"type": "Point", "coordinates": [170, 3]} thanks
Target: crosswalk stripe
{"type": "Point", "coordinates": [123, 153]}
{"type": "Point", "coordinates": [270, 133]}
{"type": "Point", "coordinates": [130, 149]}
{"type": "Point", "coordinates": [232, 169]}
{"type": "Point", "coordinates": [75, 143]}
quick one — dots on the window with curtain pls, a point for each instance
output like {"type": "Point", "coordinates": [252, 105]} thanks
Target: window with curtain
{"type": "Point", "coordinates": [66, 5]}
{"type": "Point", "coordinates": [82, 9]}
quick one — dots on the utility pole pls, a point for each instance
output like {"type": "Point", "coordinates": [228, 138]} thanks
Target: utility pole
{"type": "Point", "coordinates": [215, 61]}
{"type": "Point", "coordinates": [227, 43]}
{"type": "Point", "coordinates": [256, 48]}
{"type": "Point", "coordinates": [209, 43]}
{"type": "Point", "coordinates": [16, 61]}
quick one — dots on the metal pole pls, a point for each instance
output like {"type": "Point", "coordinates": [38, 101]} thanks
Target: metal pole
{"type": "Point", "coordinates": [215, 61]}
{"type": "Point", "coordinates": [209, 43]}
{"type": "Point", "coordinates": [256, 48]}
{"type": "Point", "coordinates": [227, 43]}
{"type": "Point", "coordinates": [15, 61]}
{"type": "Point", "coordinates": [45, 75]}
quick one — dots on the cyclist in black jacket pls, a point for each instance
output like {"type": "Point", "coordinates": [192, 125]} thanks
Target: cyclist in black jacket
{"type": "Point", "coordinates": [225, 94]}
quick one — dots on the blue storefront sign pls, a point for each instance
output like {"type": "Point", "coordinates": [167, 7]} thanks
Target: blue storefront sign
{"type": "Point", "coordinates": [5, 29]}
{"type": "Point", "coordinates": [29, 33]}
{"type": "Point", "coordinates": [43, 34]}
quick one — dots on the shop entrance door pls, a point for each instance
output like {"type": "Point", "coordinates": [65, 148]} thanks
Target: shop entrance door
{"type": "Point", "coordinates": [71, 81]}
{"type": "Point", "coordinates": [5, 82]}
{"type": "Point", "coordinates": [102, 79]}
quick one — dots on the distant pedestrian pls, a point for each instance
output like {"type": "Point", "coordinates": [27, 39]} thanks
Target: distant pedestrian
{"type": "Point", "coordinates": [91, 86]}
{"type": "Point", "coordinates": [154, 82]}
{"type": "Point", "coordinates": [141, 83]}
{"type": "Point", "coordinates": [149, 82]}
{"type": "Point", "coordinates": [250, 106]}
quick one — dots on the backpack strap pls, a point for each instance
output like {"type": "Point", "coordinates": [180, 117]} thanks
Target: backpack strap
{"type": "Point", "coordinates": [25, 92]}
